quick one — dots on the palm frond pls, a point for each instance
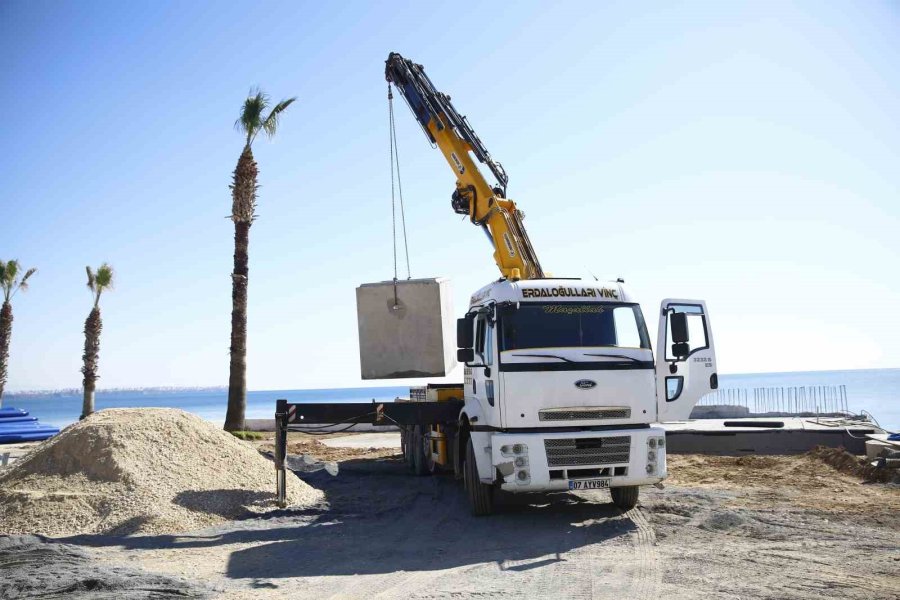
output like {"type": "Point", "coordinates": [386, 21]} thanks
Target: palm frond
{"type": "Point", "coordinates": [104, 277]}
{"type": "Point", "coordinates": [10, 272]}
{"type": "Point", "coordinates": [23, 285]}
{"type": "Point", "coordinates": [8, 278]}
{"type": "Point", "coordinates": [251, 118]}
{"type": "Point", "coordinates": [91, 278]}
{"type": "Point", "coordinates": [5, 285]}
{"type": "Point", "coordinates": [270, 125]}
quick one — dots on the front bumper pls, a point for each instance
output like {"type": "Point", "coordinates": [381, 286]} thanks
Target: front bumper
{"type": "Point", "coordinates": [578, 455]}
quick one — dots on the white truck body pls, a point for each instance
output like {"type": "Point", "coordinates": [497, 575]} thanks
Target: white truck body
{"type": "Point", "coordinates": [563, 391]}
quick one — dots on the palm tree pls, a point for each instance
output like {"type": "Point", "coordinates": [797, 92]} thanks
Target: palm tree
{"type": "Point", "coordinates": [10, 282]}
{"type": "Point", "coordinates": [98, 283]}
{"type": "Point", "coordinates": [243, 212]}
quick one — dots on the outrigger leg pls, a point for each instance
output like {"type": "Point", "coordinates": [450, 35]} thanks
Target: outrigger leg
{"type": "Point", "coordinates": [281, 422]}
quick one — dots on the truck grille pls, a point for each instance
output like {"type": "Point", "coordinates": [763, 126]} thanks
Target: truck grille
{"type": "Point", "coordinates": [588, 451]}
{"type": "Point", "coordinates": [578, 414]}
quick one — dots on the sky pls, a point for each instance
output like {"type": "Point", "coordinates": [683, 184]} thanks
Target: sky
{"type": "Point", "coordinates": [741, 153]}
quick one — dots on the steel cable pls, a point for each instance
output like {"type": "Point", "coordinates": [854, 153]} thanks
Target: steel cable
{"type": "Point", "coordinates": [398, 187]}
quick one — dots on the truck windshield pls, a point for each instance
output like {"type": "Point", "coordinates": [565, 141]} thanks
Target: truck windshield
{"type": "Point", "coordinates": [572, 325]}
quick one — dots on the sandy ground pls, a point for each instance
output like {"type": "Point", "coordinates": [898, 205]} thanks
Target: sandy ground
{"type": "Point", "coordinates": [749, 527]}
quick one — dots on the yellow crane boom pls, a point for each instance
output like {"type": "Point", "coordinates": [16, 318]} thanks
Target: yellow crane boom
{"type": "Point", "coordinates": [486, 205]}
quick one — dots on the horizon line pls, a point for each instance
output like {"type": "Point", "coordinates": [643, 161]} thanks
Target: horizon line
{"type": "Point", "coordinates": [161, 388]}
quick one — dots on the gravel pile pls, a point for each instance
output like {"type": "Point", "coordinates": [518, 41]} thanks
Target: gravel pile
{"type": "Point", "coordinates": [147, 470]}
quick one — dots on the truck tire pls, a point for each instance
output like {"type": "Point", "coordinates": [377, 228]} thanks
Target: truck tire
{"type": "Point", "coordinates": [430, 465]}
{"type": "Point", "coordinates": [481, 496]}
{"type": "Point", "coordinates": [625, 497]}
{"type": "Point", "coordinates": [417, 448]}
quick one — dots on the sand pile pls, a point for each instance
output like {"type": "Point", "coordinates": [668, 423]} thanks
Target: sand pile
{"type": "Point", "coordinates": [148, 470]}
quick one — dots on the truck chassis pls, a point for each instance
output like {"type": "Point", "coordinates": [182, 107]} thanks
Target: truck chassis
{"type": "Point", "coordinates": [313, 417]}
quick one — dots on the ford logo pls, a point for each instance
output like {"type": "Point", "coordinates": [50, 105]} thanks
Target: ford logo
{"type": "Point", "coordinates": [585, 384]}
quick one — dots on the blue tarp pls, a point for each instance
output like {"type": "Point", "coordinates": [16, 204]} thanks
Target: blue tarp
{"type": "Point", "coordinates": [17, 426]}
{"type": "Point", "coordinates": [12, 412]}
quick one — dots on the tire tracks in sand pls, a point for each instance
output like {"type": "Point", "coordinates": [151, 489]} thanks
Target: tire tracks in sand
{"type": "Point", "coordinates": [648, 574]}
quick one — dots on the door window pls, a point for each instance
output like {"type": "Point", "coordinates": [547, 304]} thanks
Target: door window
{"type": "Point", "coordinates": [698, 338]}
{"type": "Point", "coordinates": [674, 385]}
{"type": "Point", "coordinates": [484, 340]}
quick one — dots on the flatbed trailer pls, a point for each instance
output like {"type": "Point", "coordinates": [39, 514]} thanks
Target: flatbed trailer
{"type": "Point", "coordinates": [405, 414]}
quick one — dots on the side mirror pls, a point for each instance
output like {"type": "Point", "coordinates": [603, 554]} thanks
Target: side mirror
{"type": "Point", "coordinates": [465, 335]}
{"type": "Point", "coordinates": [678, 323]}
{"type": "Point", "coordinates": [680, 350]}
{"type": "Point", "coordinates": [465, 355]}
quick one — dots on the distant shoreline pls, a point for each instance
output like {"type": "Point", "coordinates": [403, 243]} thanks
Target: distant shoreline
{"type": "Point", "coordinates": [177, 389]}
{"type": "Point", "coordinates": [78, 391]}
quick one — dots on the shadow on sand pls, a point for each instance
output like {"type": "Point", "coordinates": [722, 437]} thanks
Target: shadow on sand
{"type": "Point", "coordinates": [379, 519]}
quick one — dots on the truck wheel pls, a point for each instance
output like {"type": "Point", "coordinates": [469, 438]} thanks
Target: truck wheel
{"type": "Point", "coordinates": [625, 497]}
{"type": "Point", "coordinates": [481, 496]}
{"type": "Point", "coordinates": [417, 448]}
{"type": "Point", "coordinates": [430, 465]}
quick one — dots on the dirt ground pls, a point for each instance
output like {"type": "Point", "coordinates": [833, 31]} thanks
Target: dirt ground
{"type": "Point", "coordinates": [749, 527]}
{"type": "Point", "coordinates": [304, 443]}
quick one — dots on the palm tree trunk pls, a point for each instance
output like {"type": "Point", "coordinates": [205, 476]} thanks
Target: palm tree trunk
{"type": "Point", "coordinates": [6, 321]}
{"type": "Point", "coordinates": [237, 382]}
{"type": "Point", "coordinates": [244, 205]}
{"type": "Point", "coordinates": [93, 325]}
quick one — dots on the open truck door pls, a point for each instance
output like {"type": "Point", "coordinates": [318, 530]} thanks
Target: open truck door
{"type": "Point", "coordinates": [685, 358]}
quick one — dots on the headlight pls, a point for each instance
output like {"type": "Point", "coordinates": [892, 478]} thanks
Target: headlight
{"type": "Point", "coordinates": [509, 450]}
{"type": "Point", "coordinates": [651, 455]}
{"type": "Point", "coordinates": [662, 442]}
{"type": "Point", "coordinates": [521, 461]}
{"type": "Point", "coordinates": [522, 475]}
{"type": "Point", "coordinates": [652, 442]}
{"type": "Point", "coordinates": [651, 468]}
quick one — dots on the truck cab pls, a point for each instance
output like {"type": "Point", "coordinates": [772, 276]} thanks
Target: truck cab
{"type": "Point", "coordinates": [561, 387]}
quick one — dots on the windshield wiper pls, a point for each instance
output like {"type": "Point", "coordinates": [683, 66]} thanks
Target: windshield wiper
{"type": "Point", "coordinates": [615, 356]}
{"type": "Point", "coordinates": [545, 356]}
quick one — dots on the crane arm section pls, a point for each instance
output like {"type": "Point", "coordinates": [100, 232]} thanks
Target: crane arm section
{"type": "Point", "coordinates": [486, 205]}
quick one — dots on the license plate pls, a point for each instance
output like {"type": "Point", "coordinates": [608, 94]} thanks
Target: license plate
{"type": "Point", "coordinates": [589, 484]}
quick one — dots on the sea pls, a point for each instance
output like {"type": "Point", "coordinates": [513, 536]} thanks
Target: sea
{"type": "Point", "coordinates": [876, 391]}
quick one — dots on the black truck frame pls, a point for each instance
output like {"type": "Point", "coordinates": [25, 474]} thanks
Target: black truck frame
{"type": "Point", "coordinates": [317, 417]}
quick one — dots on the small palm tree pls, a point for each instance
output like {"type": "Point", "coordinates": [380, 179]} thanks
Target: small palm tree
{"type": "Point", "coordinates": [243, 213]}
{"type": "Point", "coordinates": [98, 283]}
{"type": "Point", "coordinates": [11, 283]}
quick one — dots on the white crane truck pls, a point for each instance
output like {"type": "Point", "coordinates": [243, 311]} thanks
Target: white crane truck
{"type": "Point", "coordinates": [561, 390]}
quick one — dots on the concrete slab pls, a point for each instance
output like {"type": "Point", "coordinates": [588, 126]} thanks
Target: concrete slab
{"type": "Point", "coordinates": [410, 334]}
{"type": "Point", "coordinates": [774, 436]}
{"type": "Point", "coordinates": [875, 449]}
{"type": "Point", "coordinates": [364, 440]}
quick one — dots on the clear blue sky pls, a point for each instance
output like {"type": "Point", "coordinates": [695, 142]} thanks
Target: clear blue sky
{"type": "Point", "coordinates": [746, 154]}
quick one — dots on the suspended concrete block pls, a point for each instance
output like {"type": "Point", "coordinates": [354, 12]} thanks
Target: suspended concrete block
{"type": "Point", "coordinates": [412, 335]}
